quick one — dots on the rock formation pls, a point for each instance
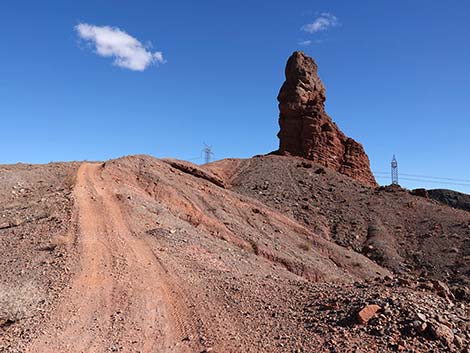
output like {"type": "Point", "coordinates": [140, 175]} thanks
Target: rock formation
{"type": "Point", "coordinates": [307, 131]}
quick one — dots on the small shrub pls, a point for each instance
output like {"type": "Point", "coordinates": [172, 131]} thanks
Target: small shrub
{"type": "Point", "coordinates": [18, 302]}
{"type": "Point", "coordinates": [60, 241]}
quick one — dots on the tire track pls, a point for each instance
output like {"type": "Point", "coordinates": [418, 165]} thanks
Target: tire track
{"type": "Point", "coordinates": [118, 301]}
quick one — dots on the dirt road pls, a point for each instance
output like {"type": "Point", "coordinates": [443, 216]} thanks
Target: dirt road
{"type": "Point", "coordinates": [119, 301]}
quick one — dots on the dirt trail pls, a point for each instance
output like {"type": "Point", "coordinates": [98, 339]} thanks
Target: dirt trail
{"type": "Point", "coordinates": [119, 301]}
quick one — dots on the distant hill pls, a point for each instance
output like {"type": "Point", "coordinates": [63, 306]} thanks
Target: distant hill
{"type": "Point", "coordinates": [452, 198]}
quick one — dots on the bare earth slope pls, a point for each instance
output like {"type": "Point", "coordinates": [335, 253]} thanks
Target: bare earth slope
{"type": "Point", "coordinates": [406, 233]}
{"type": "Point", "coordinates": [172, 257]}
{"type": "Point", "coordinates": [119, 296]}
{"type": "Point", "coordinates": [36, 232]}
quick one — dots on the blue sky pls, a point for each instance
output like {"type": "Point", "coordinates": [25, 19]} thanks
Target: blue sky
{"type": "Point", "coordinates": [397, 77]}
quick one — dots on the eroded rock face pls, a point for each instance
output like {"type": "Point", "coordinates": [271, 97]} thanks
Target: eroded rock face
{"type": "Point", "coordinates": [307, 131]}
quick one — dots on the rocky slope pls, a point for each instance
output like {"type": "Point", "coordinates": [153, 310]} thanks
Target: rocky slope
{"type": "Point", "coordinates": [450, 197]}
{"type": "Point", "coordinates": [258, 255]}
{"type": "Point", "coordinates": [216, 255]}
{"type": "Point", "coordinates": [307, 131]}
{"type": "Point", "coordinates": [37, 236]}
{"type": "Point", "coordinates": [403, 232]}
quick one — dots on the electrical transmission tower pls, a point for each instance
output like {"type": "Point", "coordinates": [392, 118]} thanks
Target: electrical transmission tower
{"type": "Point", "coordinates": [394, 165]}
{"type": "Point", "coordinates": [208, 153]}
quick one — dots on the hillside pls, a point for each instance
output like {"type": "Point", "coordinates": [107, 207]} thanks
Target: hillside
{"type": "Point", "coordinates": [162, 255]}
{"type": "Point", "coordinates": [405, 233]}
{"type": "Point", "coordinates": [450, 197]}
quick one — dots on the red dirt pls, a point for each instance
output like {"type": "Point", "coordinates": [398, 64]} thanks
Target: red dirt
{"type": "Point", "coordinates": [171, 257]}
{"type": "Point", "coordinates": [120, 296]}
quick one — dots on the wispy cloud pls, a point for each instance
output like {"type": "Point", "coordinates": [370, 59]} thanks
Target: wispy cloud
{"type": "Point", "coordinates": [127, 51]}
{"type": "Point", "coordinates": [322, 23]}
{"type": "Point", "coordinates": [305, 43]}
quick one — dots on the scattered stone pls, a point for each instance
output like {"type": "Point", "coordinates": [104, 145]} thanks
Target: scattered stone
{"type": "Point", "coordinates": [420, 326]}
{"type": "Point", "coordinates": [442, 333]}
{"type": "Point", "coordinates": [306, 165]}
{"type": "Point", "coordinates": [442, 290]}
{"type": "Point", "coordinates": [421, 317]}
{"type": "Point", "coordinates": [366, 313]}
{"type": "Point", "coordinates": [320, 171]}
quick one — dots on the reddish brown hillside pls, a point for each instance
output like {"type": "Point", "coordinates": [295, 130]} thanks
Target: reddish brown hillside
{"type": "Point", "coordinates": [37, 234]}
{"type": "Point", "coordinates": [405, 233]}
{"type": "Point", "coordinates": [172, 257]}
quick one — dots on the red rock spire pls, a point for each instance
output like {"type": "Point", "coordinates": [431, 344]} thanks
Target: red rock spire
{"type": "Point", "coordinates": [307, 131]}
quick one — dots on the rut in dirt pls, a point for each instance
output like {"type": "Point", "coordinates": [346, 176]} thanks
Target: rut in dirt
{"type": "Point", "coordinates": [119, 300]}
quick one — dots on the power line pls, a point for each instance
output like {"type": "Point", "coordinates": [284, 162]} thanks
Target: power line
{"type": "Point", "coordinates": [427, 177]}
{"type": "Point", "coordinates": [194, 159]}
{"type": "Point", "coordinates": [427, 181]}
{"type": "Point", "coordinates": [440, 178]}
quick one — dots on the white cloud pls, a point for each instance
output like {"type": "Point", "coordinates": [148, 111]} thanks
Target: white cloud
{"type": "Point", "coordinates": [322, 23]}
{"type": "Point", "coordinates": [128, 52]}
{"type": "Point", "coordinates": [305, 43]}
